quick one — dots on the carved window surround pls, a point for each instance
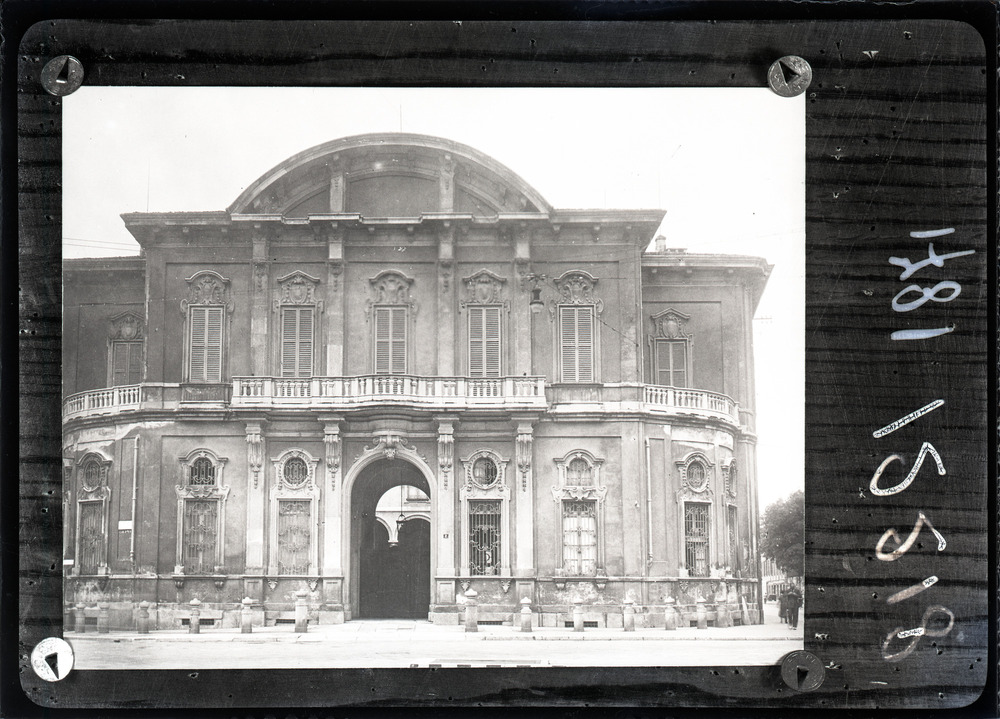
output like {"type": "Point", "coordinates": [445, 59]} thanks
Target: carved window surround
{"type": "Point", "coordinates": [308, 489]}
{"type": "Point", "coordinates": [497, 490]}
{"type": "Point", "coordinates": [219, 491]}
{"type": "Point", "coordinates": [567, 488]}
{"type": "Point", "coordinates": [392, 289]}
{"type": "Point", "coordinates": [297, 289]}
{"type": "Point", "coordinates": [126, 328]}
{"type": "Point", "coordinates": [697, 487]}
{"type": "Point", "coordinates": [576, 287]}
{"type": "Point", "coordinates": [208, 288]}
{"type": "Point", "coordinates": [669, 325]}
{"type": "Point", "coordinates": [93, 489]}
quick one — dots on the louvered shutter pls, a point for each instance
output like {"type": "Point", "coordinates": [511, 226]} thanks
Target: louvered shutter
{"type": "Point", "coordinates": [663, 373]}
{"type": "Point", "coordinates": [134, 374]}
{"type": "Point", "coordinates": [671, 363]}
{"type": "Point", "coordinates": [296, 341]}
{"type": "Point", "coordinates": [484, 341]}
{"type": "Point", "coordinates": [577, 338]}
{"type": "Point", "coordinates": [206, 344]}
{"type": "Point", "coordinates": [119, 363]}
{"type": "Point", "coordinates": [390, 340]}
{"type": "Point", "coordinates": [679, 362]}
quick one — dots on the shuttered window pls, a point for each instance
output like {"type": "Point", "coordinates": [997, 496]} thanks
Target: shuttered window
{"type": "Point", "coordinates": [205, 344]}
{"type": "Point", "coordinates": [671, 363]}
{"type": "Point", "coordinates": [390, 340]}
{"type": "Point", "coordinates": [484, 341]}
{"type": "Point", "coordinates": [576, 335]}
{"type": "Point", "coordinates": [296, 341]}
{"type": "Point", "coordinates": [126, 363]}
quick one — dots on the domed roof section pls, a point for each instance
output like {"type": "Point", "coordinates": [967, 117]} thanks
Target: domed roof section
{"type": "Point", "coordinates": [389, 175]}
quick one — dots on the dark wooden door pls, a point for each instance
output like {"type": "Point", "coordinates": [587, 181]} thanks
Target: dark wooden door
{"type": "Point", "coordinates": [395, 579]}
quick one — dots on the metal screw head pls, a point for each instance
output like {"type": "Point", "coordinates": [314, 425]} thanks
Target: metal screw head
{"type": "Point", "coordinates": [62, 75]}
{"type": "Point", "coordinates": [802, 671]}
{"type": "Point", "coordinates": [789, 76]}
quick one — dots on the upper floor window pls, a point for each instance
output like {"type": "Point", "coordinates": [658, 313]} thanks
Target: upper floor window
{"type": "Point", "coordinates": [390, 340]}
{"type": "Point", "coordinates": [670, 346]}
{"type": "Point", "coordinates": [576, 343]}
{"type": "Point", "coordinates": [391, 311]}
{"type": "Point", "coordinates": [578, 310]}
{"type": "Point", "coordinates": [125, 349]}
{"type": "Point", "coordinates": [206, 306]}
{"type": "Point", "coordinates": [484, 341]}
{"type": "Point", "coordinates": [297, 305]}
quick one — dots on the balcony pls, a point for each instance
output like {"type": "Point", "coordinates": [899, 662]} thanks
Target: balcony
{"type": "Point", "coordinates": [431, 393]}
{"type": "Point", "coordinates": [434, 393]}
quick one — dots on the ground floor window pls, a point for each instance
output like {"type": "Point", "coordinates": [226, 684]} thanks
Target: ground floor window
{"type": "Point", "coordinates": [579, 537]}
{"type": "Point", "coordinates": [92, 537]}
{"type": "Point", "coordinates": [484, 536]}
{"type": "Point", "coordinates": [293, 536]}
{"type": "Point", "coordinates": [696, 539]}
{"type": "Point", "coordinates": [201, 521]}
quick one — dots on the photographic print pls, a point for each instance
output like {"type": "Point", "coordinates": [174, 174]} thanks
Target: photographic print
{"type": "Point", "coordinates": [349, 370]}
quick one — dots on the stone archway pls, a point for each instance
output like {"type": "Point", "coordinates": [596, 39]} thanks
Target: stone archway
{"type": "Point", "coordinates": [387, 580]}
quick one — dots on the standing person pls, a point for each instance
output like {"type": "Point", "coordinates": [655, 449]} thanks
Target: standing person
{"type": "Point", "coordinates": [783, 606]}
{"type": "Point", "coordinates": [794, 602]}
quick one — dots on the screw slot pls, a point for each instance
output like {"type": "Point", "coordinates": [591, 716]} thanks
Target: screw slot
{"type": "Point", "coordinates": [62, 75]}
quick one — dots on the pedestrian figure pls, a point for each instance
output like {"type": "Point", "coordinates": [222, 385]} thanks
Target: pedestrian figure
{"type": "Point", "coordinates": [783, 606]}
{"type": "Point", "coordinates": [794, 602]}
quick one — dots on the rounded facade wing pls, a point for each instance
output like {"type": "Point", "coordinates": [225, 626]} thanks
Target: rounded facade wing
{"type": "Point", "coordinates": [389, 175]}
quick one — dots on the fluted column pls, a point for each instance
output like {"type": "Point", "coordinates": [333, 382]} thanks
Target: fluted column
{"type": "Point", "coordinates": [255, 497]}
{"type": "Point", "coordinates": [524, 561]}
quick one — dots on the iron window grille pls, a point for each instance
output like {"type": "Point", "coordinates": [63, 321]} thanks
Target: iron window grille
{"type": "Point", "coordinates": [484, 537]}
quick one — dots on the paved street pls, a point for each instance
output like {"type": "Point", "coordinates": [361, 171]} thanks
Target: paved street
{"type": "Point", "coordinates": [404, 643]}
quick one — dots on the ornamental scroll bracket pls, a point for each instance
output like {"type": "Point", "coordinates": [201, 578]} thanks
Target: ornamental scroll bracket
{"type": "Point", "coordinates": [576, 287]}
{"type": "Point", "coordinates": [297, 288]}
{"type": "Point", "coordinates": [446, 450]}
{"type": "Point", "coordinates": [333, 449]}
{"type": "Point", "coordinates": [255, 450]}
{"type": "Point", "coordinates": [578, 477]}
{"type": "Point", "coordinates": [208, 288]}
{"type": "Point", "coordinates": [695, 471]}
{"type": "Point", "coordinates": [391, 287]}
{"type": "Point", "coordinates": [127, 326]}
{"type": "Point", "coordinates": [523, 452]}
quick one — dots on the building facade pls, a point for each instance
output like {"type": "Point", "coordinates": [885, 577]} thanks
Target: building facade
{"type": "Point", "coordinates": [394, 313]}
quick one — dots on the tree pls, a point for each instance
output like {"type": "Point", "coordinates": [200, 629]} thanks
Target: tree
{"type": "Point", "coordinates": [782, 534]}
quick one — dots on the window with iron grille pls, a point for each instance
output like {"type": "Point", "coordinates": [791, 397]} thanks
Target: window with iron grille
{"type": "Point", "coordinates": [579, 537]}
{"type": "Point", "coordinates": [484, 341]}
{"type": "Point", "coordinates": [296, 341]}
{"type": "Point", "coordinates": [295, 472]}
{"type": "Point", "coordinates": [293, 536]}
{"type": "Point", "coordinates": [126, 362]}
{"type": "Point", "coordinates": [201, 525]}
{"type": "Point", "coordinates": [484, 536]}
{"type": "Point", "coordinates": [576, 343]}
{"type": "Point", "coordinates": [390, 340]}
{"type": "Point", "coordinates": [202, 473]}
{"type": "Point", "coordinates": [92, 537]}
{"type": "Point", "coordinates": [671, 360]}
{"type": "Point", "coordinates": [484, 472]}
{"type": "Point", "coordinates": [205, 343]}
{"type": "Point", "coordinates": [93, 474]}
{"type": "Point", "coordinates": [734, 550]}
{"type": "Point", "coordinates": [696, 538]}
{"type": "Point", "coordinates": [579, 473]}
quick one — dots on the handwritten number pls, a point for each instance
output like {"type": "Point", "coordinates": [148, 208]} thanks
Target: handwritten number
{"type": "Point", "coordinates": [925, 449]}
{"type": "Point", "coordinates": [926, 293]}
{"type": "Point", "coordinates": [932, 259]}
{"type": "Point", "coordinates": [917, 633]}
{"type": "Point", "coordinates": [903, 547]}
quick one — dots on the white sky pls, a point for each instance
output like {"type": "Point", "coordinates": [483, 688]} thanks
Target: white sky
{"type": "Point", "coordinates": [727, 165]}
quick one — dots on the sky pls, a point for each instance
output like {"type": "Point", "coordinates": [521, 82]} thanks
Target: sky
{"type": "Point", "coordinates": [726, 165]}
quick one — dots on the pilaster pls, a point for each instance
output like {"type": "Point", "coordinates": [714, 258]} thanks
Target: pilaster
{"type": "Point", "coordinates": [524, 491]}
{"type": "Point", "coordinates": [259, 302]}
{"type": "Point", "coordinates": [333, 503]}
{"type": "Point", "coordinates": [446, 497]}
{"type": "Point", "coordinates": [446, 302]}
{"type": "Point", "coordinates": [255, 496]}
{"type": "Point", "coordinates": [521, 315]}
{"type": "Point", "coordinates": [335, 302]}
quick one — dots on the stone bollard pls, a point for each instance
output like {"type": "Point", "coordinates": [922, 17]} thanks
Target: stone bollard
{"type": "Point", "coordinates": [246, 617]}
{"type": "Point", "coordinates": [301, 611]}
{"type": "Point", "coordinates": [525, 615]}
{"type": "Point", "coordinates": [577, 615]}
{"type": "Point", "coordinates": [102, 618]}
{"type": "Point", "coordinates": [628, 615]}
{"type": "Point", "coordinates": [701, 614]}
{"type": "Point", "coordinates": [142, 618]}
{"type": "Point", "coordinates": [669, 616]}
{"type": "Point", "coordinates": [194, 622]}
{"type": "Point", "coordinates": [722, 615]}
{"type": "Point", "coordinates": [81, 618]}
{"type": "Point", "coordinates": [471, 610]}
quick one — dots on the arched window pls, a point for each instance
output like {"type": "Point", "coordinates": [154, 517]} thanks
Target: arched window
{"type": "Point", "coordinates": [201, 503]}
{"type": "Point", "coordinates": [579, 473]}
{"type": "Point", "coordinates": [202, 473]}
{"type": "Point", "coordinates": [294, 529]}
{"type": "Point", "coordinates": [696, 475]}
{"type": "Point", "coordinates": [484, 472]}
{"type": "Point", "coordinates": [581, 504]}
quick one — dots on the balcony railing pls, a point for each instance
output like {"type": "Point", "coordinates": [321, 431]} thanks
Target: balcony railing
{"type": "Point", "coordinates": [434, 393]}
{"type": "Point", "coordinates": [372, 390]}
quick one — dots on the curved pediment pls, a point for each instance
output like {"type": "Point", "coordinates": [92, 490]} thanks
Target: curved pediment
{"type": "Point", "coordinates": [389, 175]}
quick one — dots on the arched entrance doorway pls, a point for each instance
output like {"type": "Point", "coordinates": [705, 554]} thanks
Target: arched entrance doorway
{"type": "Point", "coordinates": [390, 554]}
